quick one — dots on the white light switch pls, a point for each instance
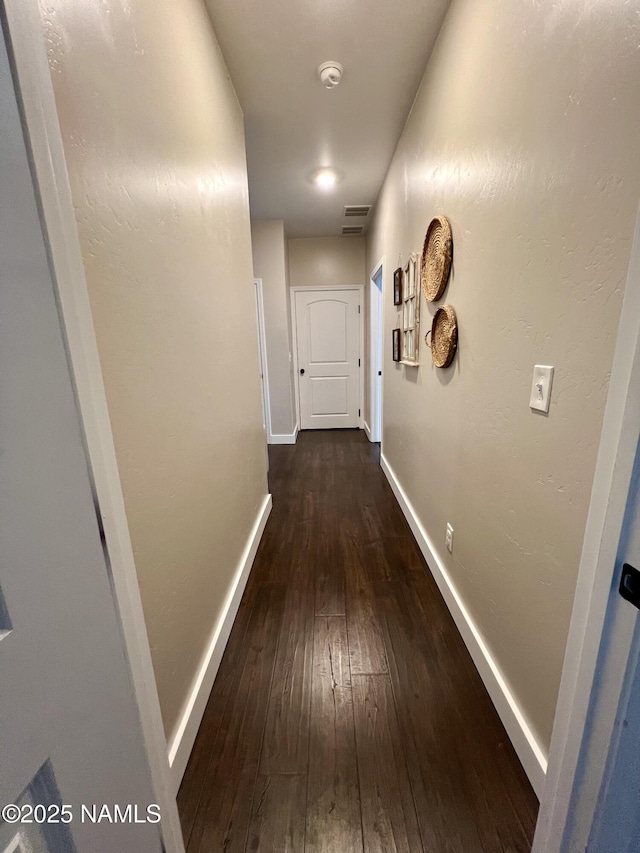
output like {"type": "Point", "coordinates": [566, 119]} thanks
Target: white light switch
{"type": "Point", "coordinates": [541, 387]}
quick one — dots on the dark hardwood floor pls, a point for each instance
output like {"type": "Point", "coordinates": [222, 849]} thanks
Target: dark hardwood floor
{"type": "Point", "coordinates": [347, 714]}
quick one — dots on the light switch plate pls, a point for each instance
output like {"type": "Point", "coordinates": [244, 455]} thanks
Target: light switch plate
{"type": "Point", "coordinates": [541, 387]}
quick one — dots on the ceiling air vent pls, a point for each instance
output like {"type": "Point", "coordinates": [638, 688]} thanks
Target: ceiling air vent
{"type": "Point", "coordinates": [357, 209]}
{"type": "Point", "coordinates": [349, 230]}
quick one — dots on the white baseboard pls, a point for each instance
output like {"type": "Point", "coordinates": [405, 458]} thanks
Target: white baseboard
{"type": "Point", "coordinates": [184, 735]}
{"type": "Point", "coordinates": [367, 430]}
{"type": "Point", "coordinates": [285, 438]}
{"type": "Point", "coordinates": [531, 755]}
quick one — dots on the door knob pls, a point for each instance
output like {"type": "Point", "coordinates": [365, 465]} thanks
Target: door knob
{"type": "Point", "coordinates": [301, 371]}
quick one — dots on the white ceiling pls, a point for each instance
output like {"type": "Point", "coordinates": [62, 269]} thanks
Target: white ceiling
{"type": "Point", "coordinates": [293, 125]}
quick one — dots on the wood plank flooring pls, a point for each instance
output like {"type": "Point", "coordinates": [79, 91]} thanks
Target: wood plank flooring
{"type": "Point", "coordinates": [347, 715]}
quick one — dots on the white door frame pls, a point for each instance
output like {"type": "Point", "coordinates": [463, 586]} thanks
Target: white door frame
{"type": "Point", "coordinates": [294, 338]}
{"type": "Point", "coordinates": [44, 141]}
{"type": "Point", "coordinates": [376, 339]}
{"type": "Point", "coordinates": [583, 679]}
{"type": "Point", "coordinates": [262, 337]}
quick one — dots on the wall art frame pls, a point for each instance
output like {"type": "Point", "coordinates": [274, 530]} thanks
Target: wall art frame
{"type": "Point", "coordinates": [397, 286]}
{"type": "Point", "coordinates": [396, 341]}
{"type": "Point", "coordinates": [411, 313]}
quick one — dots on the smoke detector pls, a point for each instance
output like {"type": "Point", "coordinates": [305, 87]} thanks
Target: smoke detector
{"type": "Point", "coordinates": [330, 74]}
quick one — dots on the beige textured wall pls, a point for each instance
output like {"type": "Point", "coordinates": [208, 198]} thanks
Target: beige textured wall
{"type": "Point", "coordinates": [524, 134]}
{"type": "Point", "coordinates": [270, 264]}
{"type": "Point", "coordinates": [155, 147]}
{"type": "Point", "coordinates": [326, 261]}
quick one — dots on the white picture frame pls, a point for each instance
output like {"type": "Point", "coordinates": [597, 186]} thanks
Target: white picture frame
{"type": "Point", "coordinates": [411, 313]}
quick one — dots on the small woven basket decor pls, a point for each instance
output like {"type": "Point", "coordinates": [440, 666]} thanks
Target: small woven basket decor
{"type": "Point", "coordinates": [436, 258]}
{"type": "Point", "coordinates": [444, 336]}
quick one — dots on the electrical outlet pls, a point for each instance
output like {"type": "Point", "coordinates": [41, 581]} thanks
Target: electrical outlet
{"type": "Point", "coordinates": [448, 538]}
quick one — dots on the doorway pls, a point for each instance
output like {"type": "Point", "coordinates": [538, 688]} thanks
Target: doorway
{"type": "Point", "coordinates": [262, 355]}
{"type": "Point", "coordinates": [328, 334]}
{"type": "Point", "coordinates": [374, 427]}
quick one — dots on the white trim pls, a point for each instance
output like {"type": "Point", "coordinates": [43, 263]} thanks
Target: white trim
{"type": "Point", "coordinates": [376, 341]}
{"type": "Point", "coordinates": [185, 731]}
{"type": "Point", "coordinates": [262, 346]}
{"type": "Point", "coordinates": [294, 336]}
{"type": "Point", "coordinates": [44, 141]}
{"type": "Point", "coordinates": [580, 677]}
{"type": "Point", "coordinates": [367, 431]}
{"type": "Point", "coordinates": [285, 438]}
{"type": "Point", "coordinates": [526, 746]}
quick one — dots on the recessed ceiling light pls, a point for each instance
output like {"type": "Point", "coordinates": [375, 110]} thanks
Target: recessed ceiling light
{"type": "Point", "coordinates": [325, 179]}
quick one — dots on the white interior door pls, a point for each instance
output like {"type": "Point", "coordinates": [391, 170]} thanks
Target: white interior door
{"type": "Point", "coordinates": [375, 355]}
{"type": "Point", "coordinates": [616, 821]}
{"type": "Point", "coordinates": [328, 348]}
{"type": "Point", "coordinates": [70, 731]}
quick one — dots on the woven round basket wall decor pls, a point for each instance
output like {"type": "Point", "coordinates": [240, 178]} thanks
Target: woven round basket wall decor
{"type": "Point", "coordinates": [444, 336]}
{"type": "Point", "coordinates": [436, 258]}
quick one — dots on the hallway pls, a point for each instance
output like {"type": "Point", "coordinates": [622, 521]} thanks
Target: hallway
{"type": "Point", "coordinates": [347, 713]}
